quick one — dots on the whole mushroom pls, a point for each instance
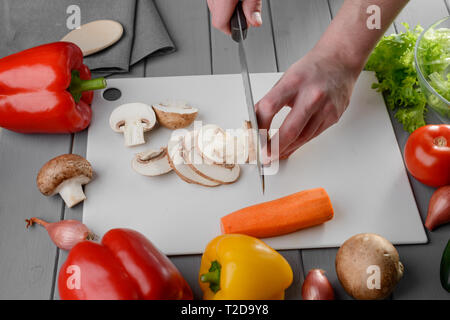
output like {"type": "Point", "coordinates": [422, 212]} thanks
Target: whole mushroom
{"type": "Point", "coordinates": [133, 119]}
{"type": "Point", "coordinates": [368, 267]}
{"type": "Point", "coordinates": [65, 174]}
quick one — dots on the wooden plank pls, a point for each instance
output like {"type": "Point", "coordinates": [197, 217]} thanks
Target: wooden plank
{"type": "Point", "coordinates": [297, 26]}
{"type": "Point", "coordinates": [422, 262]}
{"type": "Point", "coordinates": [27, 256]}
{"type": "Point", "coordinates": [421, 12]}
{"type": "Point", "coordinates": [187, 24]}
{"type": "Point", "coordinates": [421, 279]}
{"type": "Point", "coordinates": [325, 258]}
{"type": "Point", "coordinates": [294, 257]}
{"type": "Point", "coordinates": [259, 48]}
{"type": "Point", "coordinates": [335, 5]}
{"type": "Point", "coordinates": [294, 20]}
{"type": "Point", "coordinates": [261, 58]}
{"type": "Point", "coordinates": [79, 147]}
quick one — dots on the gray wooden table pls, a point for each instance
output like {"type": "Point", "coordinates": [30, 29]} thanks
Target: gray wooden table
{"type": "Point", "coordinates": [29, 262]}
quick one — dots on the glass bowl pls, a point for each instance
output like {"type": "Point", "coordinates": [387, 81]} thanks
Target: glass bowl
{"type": "Point", "coordinates": [433, 72]}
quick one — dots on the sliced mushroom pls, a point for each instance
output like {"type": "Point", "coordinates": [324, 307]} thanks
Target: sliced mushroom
{"type": "Point", "coordinates": [223, 174]}
{"type": "Point", "coordinates": [251, 142]}
{"type": "Point", "coordinates": [65, 175]}
{"type": "Point", "coordinates": [133, 119]}
{"type": "Point", "coordinates": [175, 115]}
{"type": "Point", "coordinates": [176, 161]}
{"type": "Point", "coordinates": [152, 163]}
{"type": "Point", "coordinates": [223, 147]}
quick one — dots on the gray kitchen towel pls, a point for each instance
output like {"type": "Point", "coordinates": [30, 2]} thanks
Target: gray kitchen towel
{"type": "Point", "coordinates": [28, 23]}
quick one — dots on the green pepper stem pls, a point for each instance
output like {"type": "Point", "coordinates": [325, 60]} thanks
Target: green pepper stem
{"type": "Point", "coordinates": [78, 86]}
{"type": "Point", "coordinates": [88, 85]}
{"type": "Point", "coordinates": [212, 276]}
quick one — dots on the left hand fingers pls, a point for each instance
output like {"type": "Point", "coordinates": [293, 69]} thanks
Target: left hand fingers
{"type": "Point", "coordinates": [308, 132]}
{"type": "Point", "coordinates": [328, 122]}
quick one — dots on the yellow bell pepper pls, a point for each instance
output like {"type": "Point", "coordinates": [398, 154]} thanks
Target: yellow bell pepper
{"type": "Point", "coordinates": [240, 267]}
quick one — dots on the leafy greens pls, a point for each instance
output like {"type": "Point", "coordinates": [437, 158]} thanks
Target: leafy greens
{"type": "Point", "coordinates": [393, 62]}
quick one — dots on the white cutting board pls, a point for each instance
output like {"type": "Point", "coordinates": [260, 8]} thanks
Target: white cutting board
{"type": "Point", "coordinates": [357, 161]}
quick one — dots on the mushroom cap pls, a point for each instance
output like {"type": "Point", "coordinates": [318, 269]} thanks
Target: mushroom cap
{"type": "Point", "coordinates": [132, 112]}
{"type": "Point", "coordinates": [60, 169]}
{"type": "Point", "coordinates": [175, 115]}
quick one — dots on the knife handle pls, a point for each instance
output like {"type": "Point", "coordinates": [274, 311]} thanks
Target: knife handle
{"type": "Point", "coordinates": [234, 24]}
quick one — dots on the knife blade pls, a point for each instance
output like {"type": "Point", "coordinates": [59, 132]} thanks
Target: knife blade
{"type": "Point", "coordinates": [239, 33]}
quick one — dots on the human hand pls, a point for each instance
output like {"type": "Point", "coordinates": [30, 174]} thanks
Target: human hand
{"type": "Point", "coordinates": [318, 88]}
{"type": "Point", "coordinates": [222, 11]}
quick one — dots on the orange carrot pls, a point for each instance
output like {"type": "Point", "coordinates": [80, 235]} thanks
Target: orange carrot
{"type": "Point", "coordinates": [285, 215]}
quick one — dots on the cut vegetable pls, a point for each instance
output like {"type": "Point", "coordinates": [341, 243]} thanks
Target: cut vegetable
{"type": "Point", "coordinates": [176, 161]}
{"type": "Point", "coordinates": [223, 147]}
{"type": "Point", "coordinates": [152, 163]}
{"type": "Point", "coordinates": [175, 115]}
{"type": "Point", "coordinates": [133, 119]}
{"type": "Point", "coordinates": [251, 142]}
{"type": "Point", "coordinates": [285, 215]}
{"type": "Point", "coordinates": [223, 174]}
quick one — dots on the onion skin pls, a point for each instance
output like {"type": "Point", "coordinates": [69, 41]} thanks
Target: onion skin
{"type": "Point", "coordinates": [65, 234]}
{"type": "Point", "coordinates": [439, 208]}
{"type": "Point", "coordinates": [317, 287]}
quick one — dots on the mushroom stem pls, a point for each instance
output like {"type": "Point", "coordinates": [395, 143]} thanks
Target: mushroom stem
{"type": "Point", "coordinates": [134, 133]}
{"type": "Point", "coordinates": [72, 192]}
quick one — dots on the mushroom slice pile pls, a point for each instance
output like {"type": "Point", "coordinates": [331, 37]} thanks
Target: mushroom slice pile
{"type": "Point", "coordinates": [65, 175]}
{"type": "Point", "coordinates": [184, 171]}
{"type": "Point", "coordinates": [223, 174]}
{"type": "Point", "coordinates": [175, 115]}
{"type": "Point", "coordinates": [223, 147]}
{"type": "Point", "coordinates": [133, 119]}
{"type": "Point", "coordinates": [152, 163]}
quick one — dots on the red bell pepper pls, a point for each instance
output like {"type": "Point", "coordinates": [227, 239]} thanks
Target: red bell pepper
{"type": "Point", "coordinates": [46, 89]}
{"type": "Point", "coordinates": [125, 266]}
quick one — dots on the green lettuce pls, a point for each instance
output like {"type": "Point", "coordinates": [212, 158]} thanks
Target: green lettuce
{"type": "Point", "coordinates": [393, 62]}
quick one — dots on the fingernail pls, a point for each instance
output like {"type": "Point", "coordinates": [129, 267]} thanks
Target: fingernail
{"type": "Point", "coordinates": [257, 17]}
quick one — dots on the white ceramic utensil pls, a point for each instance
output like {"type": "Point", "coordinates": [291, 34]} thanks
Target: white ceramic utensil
{"type": "Point", "coordinates": [95, 36]}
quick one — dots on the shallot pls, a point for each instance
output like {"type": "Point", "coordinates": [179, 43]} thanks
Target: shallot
{"type": "Point", "coordinates": [439, 208]}
{"type": "Point", "coordinates": [317, 287]}
{"type": "Point", "coordinates": [65, 234]}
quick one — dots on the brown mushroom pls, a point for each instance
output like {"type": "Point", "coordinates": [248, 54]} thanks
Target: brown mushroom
{"type": "Point", "coordinates": [65, 175]}
{"type": "Point", "coordinates": [368, 266]}
{"type": "Point", "coordinates": [175, 115]}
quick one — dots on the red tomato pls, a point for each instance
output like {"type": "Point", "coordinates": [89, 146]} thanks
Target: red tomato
{"type": "Point", "coordinates": [427, 155]}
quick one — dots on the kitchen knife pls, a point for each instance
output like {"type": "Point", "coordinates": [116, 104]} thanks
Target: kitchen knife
{"type": "Point", "coordinates": [239, 34]}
